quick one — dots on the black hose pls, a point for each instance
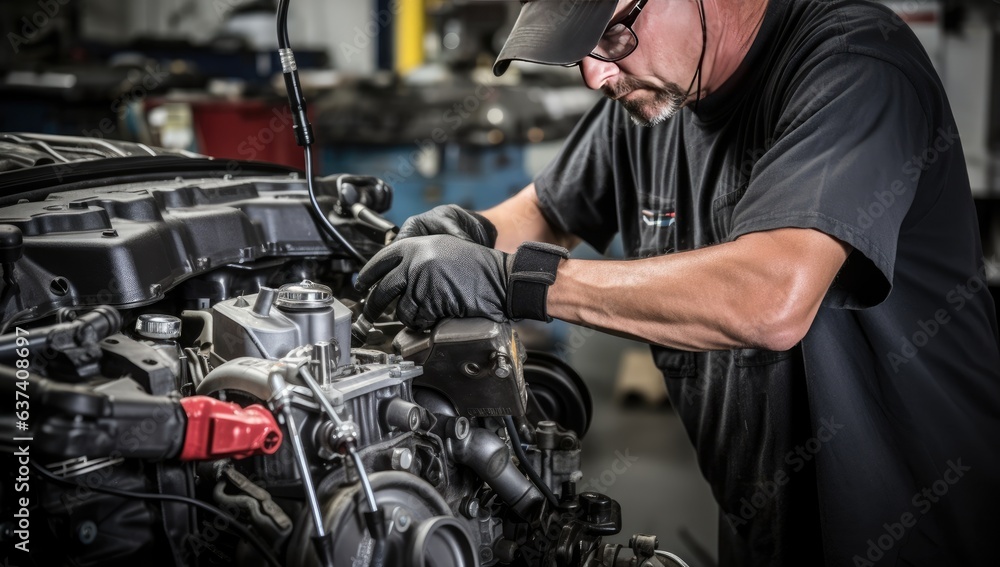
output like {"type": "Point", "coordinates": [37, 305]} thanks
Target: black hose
{"type": "Point", "coordinates": [375, 521]}
{"type": "Point", "coordinates": [283, 42]}
{"type": "Point", "coordinates": [378, 553]}
{"type": "Point", "coordinates": [98, 324]}
{"type": "Point", "coordinates": [325, 223]}
{"type": "Point", "coordinates": [302, 128]}
{"type": "Point", "coordinates": [515, 441]}
{"type": "Point", "coordinates": [246, 534]}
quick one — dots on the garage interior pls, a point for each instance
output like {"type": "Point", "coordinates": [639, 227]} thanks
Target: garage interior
{"type": "Point", "coordinates": [403, 90]}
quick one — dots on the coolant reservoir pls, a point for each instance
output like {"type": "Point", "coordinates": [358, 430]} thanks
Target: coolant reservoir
{"type": "Point", "coordinates": [319, 316]}
{"type": "Point", "coordinates": [271, 323]}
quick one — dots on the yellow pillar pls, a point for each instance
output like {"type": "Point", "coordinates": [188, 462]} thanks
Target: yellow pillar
{"type": "Point", "coordinates": [410, 23]}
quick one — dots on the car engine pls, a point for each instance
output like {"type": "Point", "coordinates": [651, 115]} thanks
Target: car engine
{"type": "Point", "coordinates": [177, 338]}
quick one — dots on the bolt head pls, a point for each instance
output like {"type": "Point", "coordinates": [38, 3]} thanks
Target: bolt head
{"type": "Point", "coordinates": [470, 508]}
{"type": "Point", "coordinates": [402, 459]}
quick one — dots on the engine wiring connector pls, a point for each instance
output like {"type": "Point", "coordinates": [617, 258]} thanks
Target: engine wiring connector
{"type": "Point", "coordinates": [217, 429]}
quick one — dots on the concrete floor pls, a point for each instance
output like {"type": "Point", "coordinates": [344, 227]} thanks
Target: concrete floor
{"type": "Point", "coordinates": [642, 457]}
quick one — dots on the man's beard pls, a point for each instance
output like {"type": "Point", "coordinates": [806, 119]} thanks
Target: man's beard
{"type": "Point", "coordinates": [647, 110]}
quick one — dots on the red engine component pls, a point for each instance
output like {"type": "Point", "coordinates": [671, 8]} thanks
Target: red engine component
{"type": "Point", "coordinates": [217, 429]}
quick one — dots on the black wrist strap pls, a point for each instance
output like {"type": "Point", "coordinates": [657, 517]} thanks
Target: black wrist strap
{"type": "Point", "coordinates": [533, 270]}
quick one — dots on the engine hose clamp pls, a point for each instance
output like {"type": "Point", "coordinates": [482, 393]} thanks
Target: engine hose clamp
{"type": "Point", "coordinates": [287, 59]}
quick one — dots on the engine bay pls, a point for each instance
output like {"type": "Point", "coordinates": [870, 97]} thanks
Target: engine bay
{"type": "Point", "coordinates": [179, 330]}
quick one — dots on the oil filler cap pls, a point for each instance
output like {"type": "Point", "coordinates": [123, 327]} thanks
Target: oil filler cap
{"type": "Point", "coordinates": [303, 296]}
{"type": "Point", "coordinates": [158, 326]}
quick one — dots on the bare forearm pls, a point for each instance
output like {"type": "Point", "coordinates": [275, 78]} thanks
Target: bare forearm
{"type": "Point", "coordinates": [520, 219]}
{"type": "Point", "coordinates": [652, 301]}
{"type": "Point", "coordinates": [748, 293]}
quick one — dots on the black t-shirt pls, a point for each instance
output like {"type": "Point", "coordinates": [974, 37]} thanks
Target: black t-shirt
{"type": "Point", "coordinates": [876, 439]}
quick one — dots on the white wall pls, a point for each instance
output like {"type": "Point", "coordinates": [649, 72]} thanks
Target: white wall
{"type": "Point", "coordinates": [338, 26]}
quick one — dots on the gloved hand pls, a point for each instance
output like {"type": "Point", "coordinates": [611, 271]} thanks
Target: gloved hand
{"type": "Point", "coordinates": [441, 276]}
{"type": "Point", "coordinates": [453, 220]}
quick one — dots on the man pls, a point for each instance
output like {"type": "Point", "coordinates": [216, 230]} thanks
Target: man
{"type": "Point", "coordinates": [788, 181]}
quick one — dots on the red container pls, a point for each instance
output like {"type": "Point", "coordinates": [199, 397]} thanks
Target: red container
{"type": "Point", "coordinates": [251, 129]}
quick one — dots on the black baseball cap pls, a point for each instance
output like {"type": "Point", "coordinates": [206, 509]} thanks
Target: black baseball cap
{"type": "Point", "coordinates": [555, 32]}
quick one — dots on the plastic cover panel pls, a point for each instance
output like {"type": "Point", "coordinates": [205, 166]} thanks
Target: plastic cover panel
{"type": "Point", "coordinates": [126, 245]}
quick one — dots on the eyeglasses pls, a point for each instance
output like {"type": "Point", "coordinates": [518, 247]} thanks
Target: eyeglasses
{"type": "Point", "coordinates": [619, 40]}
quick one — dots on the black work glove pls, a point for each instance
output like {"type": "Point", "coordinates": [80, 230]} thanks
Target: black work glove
{"type": "Point", "coordinates": [453, 220]}
{"type": "Point", "coordinates": [441, 276]}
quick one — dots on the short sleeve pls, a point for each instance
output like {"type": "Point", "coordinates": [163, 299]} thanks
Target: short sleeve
{"type": "Point", "coordinates": [842, 162]}
{"type": "Point", "coordinates": [577, 188]}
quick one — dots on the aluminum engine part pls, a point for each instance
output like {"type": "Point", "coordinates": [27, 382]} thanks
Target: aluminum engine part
{"type": "Point", "coordinates": [358, 395]}
{"type": "Point", "coordinates": [271, 323]}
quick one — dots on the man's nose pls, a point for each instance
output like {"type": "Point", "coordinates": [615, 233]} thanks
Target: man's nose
{"type": "Point", "coordinates": [596, 72]}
